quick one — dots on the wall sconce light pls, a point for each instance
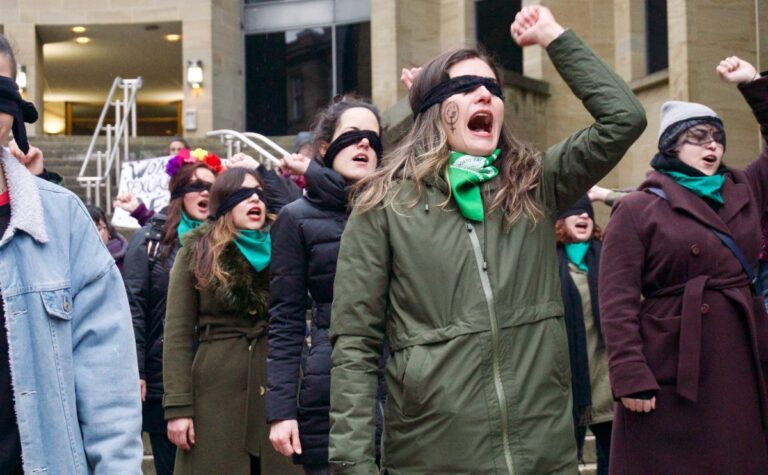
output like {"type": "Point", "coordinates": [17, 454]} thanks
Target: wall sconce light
{"type": "Point", "coordinates": [195, 74]}
{"type": "Point", "coordinates": [21, 77]}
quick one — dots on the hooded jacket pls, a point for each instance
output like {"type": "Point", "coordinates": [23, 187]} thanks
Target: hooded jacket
{"type": "Point", "coordinates": [478, 379]}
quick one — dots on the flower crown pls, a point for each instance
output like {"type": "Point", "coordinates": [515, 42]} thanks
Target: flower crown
{"type": "Point", "coordinates": [186, 157]}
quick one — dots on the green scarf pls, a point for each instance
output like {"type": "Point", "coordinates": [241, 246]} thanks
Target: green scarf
{"type": "Point", "coordinates": [577, 254]}
{"type": "Point", "coordinates": [256, 246]}
{"type": "Point", "coordinates": [708, 187]}
{"type": "Point", "coordinates": [465, 173]}
{"type": "Point", "coordinates": [186, 224]}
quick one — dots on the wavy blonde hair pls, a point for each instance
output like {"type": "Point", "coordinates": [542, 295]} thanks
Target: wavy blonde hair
{"type": "Point", "coordinates": [423, 154]}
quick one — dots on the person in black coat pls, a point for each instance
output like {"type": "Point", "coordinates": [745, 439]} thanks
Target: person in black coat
{"type": "Point", "coordinates": [305, 246]}
{"type": "Point", "coordinates": [148, 262]}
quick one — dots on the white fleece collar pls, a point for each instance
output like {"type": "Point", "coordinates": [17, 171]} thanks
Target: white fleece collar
{"type": "Point", "coordinates": [26, 207]}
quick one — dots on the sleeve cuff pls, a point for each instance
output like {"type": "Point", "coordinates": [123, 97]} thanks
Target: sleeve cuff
{"type": "Point", "coordinates": [632, 378]}
{"type": "Point", "coordinates": [178, 405]}
{"type": "Point", "coordinates": [756, 94]}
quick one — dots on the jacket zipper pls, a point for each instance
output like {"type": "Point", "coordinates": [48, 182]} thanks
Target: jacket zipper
{"type": "Point", "coordinates": [490, 300]}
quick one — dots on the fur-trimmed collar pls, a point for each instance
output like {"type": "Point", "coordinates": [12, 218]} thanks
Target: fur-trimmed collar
{"type": "Point", "coordinates": [247, 291]}
{"type": "Point", "coordinates": [26, 206]}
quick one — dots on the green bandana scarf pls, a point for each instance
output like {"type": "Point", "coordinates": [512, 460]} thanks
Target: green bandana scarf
{"type": "Point", "coordinates": [577, 254]}
{"type": "Point", "coordinates": [256, 246]}
{"type": "Point", "coordinates": [465, 173]}
{"type": "Point", "coordinates": [703, 186]}
{"type": "Point", "coordinates": [186, 225]}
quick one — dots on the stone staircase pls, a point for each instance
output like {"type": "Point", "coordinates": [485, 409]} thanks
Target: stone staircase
{"type": "Point", "coordinates": [589, 467]}
{"type": "Point", "coordinates": [65, 155]}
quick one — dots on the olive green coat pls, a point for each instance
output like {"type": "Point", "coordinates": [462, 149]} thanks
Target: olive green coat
{"type": "Point", "coordinates": [221, 385]}
{"type": "Point", "coordinates": [479, 379]}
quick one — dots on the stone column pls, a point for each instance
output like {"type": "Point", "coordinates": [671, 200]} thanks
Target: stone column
{"type": "Point", "coordinates": [403, 34]}
{"type": "Point", "coordinates": [198, 45]}
{"type": "Point", "coordinates": [701, 34]}
{"type": "Point", "coordinates": [592, 20]}
{"type": "Point", "coordinates": [23, 38]}
{"type": "Point", "coordinates": [228, 56]}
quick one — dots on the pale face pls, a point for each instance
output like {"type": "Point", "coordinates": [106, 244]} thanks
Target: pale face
{"type": "Point", "coordinates": [175, 147]}
{"type": "Point", "coordinates": [472, 120]}
{"type": "Point", "coordinates": [6, 120]}
{"type": "Point", "coordinates": [103, 231]}
{"type": "Point", "coordinates": [196, 203]}
{"type": "Point", "coordinates": [359, 160]}
{"type": "Point", "coordinates": [580, 227]}
{"type": "Point", "coordinates": [251, 213]}
{"type": "Point", "coordinates": [697, 148]}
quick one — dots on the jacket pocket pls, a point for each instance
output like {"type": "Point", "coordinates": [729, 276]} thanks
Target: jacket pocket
{"type": "Point", "coordinates": [661, 341]}
{"type": "Point", "coordinates": [562, 358]}
{"type": "Point", "coordinates": [413, 380]}
{"type": "Point", "coordinates": [58, 303]}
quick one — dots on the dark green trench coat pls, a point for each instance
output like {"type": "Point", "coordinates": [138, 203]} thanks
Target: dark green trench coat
{"type": "Point", "coordinates": [221, 385]}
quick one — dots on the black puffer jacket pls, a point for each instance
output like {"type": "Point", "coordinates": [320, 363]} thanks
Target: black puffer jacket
{"type": "Point", "coordinates": [146, 280]}
{"type": "Point", "coordinates": [305, 247]}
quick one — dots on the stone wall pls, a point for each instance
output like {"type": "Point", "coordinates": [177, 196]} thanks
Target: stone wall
{"type": "Point", "coordinates": [210, 29]}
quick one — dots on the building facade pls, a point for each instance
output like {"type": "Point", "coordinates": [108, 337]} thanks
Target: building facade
{"type": "Point", "coordinates": [268, 65]}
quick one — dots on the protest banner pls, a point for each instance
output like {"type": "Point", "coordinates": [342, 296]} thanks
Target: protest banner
{"type": "Point", "coordinates": [147, 180]}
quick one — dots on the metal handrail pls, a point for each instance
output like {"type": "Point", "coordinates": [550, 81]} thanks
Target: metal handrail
{"type": "Point", "coordinates": [125, 126]}
{"type": "Point", "coordinates": [232, 136]}
{"type": "Point", "coordinates": [100, 124]}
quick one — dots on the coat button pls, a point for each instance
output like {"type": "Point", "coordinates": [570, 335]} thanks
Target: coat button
{"type": "Point", "coordinates": [695, 250]}
{"type": "Point", "coordinates": [704, 309]}
{"type": "Point", "coordinates": [66, 306]}
{"type": "Point", "coordinates": [262, 390]}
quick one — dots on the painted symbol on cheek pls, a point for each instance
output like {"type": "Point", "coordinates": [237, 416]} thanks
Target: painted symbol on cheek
{"type": "Point", "coordinates": [451, 113]}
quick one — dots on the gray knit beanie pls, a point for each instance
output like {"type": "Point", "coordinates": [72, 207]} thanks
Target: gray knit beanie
{"type": "Point", "coordinates": [677, 116]}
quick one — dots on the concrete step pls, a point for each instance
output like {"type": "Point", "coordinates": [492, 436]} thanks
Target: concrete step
{"type": "Point", "coordinates": [148, 464]}
{"type": "Point", "coordinates": [590, 450]}
{"type": "Point", "coordinates": [585, 469]}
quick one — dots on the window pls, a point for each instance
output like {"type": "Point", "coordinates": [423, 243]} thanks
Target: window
{"type": "Point", "coordinates": [657, 44]}
{"type": "Point", "coordinates": [300, 54]}
{"type": "Point", "coordinates": [295, 88]}
{"type": "Point", "coordinates": [492, 18]}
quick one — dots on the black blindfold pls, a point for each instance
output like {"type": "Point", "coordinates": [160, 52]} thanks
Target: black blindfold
{"type": "Point", "coordinates": [351, 138]}
{"type": "Point", "coordinates": [457, 85]}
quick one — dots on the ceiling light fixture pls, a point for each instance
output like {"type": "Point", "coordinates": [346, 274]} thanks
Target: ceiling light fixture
{"type": "Point", "coordinates": [172, 37]}
{"type": "Point", "coordinates": [195, 74]}
{"type": "Point", "coordinates": [78, 29]}
{"type": "Point", "coordinates": [83, 40]}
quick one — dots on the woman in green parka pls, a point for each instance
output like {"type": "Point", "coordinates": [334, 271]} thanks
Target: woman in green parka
{"type": "Point", "coordinates": [450, 255]}
{"type": "Point", "coordinates": [214, 354]}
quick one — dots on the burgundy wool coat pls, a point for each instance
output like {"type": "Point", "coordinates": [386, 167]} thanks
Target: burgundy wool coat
{"type": "Point", "coordinates": [679, 317]}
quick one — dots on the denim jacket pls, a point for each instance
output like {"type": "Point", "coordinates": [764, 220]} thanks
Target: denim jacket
{"type": "Point", "coordinates": [72, 355]}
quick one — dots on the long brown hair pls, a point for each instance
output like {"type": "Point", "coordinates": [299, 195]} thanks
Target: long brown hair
{"type": "Point", "coordinates": [206, 252]}
{"type": "Point", "coordinates": [423, 154]}
{"type": "Point", "coordinates": [183, 177]}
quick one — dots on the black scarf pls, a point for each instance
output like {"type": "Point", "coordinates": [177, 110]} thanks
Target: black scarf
{"type": "Point", "coordinates": [576, 331]}
{"type": "Point", "coordinates": [452, 86]}
{"type": "Point", "coordinates": [22, 111]}
{"type": "Point", "coordinates": [351, 138]}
